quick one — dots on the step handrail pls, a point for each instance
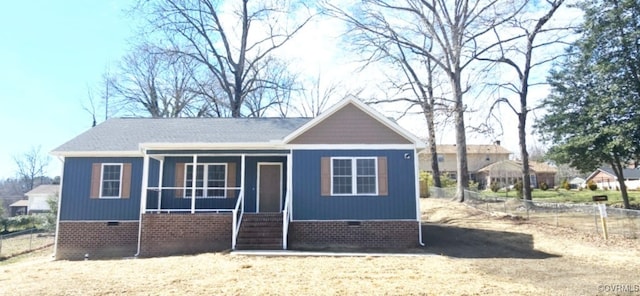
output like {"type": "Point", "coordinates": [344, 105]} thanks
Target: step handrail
{"type": "Point", "coordinates": [286, 217]}
{"type": "Point", "coordinates": [237, 220]}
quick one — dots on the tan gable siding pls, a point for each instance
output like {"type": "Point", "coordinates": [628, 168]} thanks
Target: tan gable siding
{"type": "Point", "coordinates": [350, 125]}
{"type": "Point", "coordinates": [604, 180]}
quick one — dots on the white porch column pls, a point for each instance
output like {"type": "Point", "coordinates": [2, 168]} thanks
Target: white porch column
{"type": "Point", "coordinates": [290, 181]}
{"type": "Point", "coordinates": [145, 184]}
{"type": "Point", "coordinates": [242, 172]}
{"type": "Point", "coordinates": [160, 185]}
{"type": "Point", "coordinates": [194, 174]}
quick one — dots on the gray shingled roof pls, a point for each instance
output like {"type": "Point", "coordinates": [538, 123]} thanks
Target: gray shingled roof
{"type": "Point", "coordinates": [633, 174]}
{"type": "Point", "coordinates": [125, 134]}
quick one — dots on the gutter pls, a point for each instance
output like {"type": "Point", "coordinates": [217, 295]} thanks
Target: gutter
{"type": "Point", "coordinates": [420, 233]}
{"type": "Point", "coordinates": [416, 164]}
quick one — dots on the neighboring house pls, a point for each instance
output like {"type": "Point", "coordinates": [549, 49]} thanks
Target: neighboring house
{"type": "Point", "coordinates": [18, 208]}
{"type": "Point", "coordinates": [478, 156]}
{"type": "Point", "coordinates": [543, 173]}
{"type": "Point", "coordinates": [508, 172]}
{"type": "Point", "coordinates": [39, 197]}
{"type": "Point", "coordinates": [155, 187]}
{"type": "Point", "coordinates": [605, 178]}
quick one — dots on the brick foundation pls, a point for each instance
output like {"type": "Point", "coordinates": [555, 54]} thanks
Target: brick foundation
{"type": "Point", "coordinates": [183, 233]}
{"type": "Point", "coordinates": [97, 239]}
{"type": "Point", "coordinates": [357, 234]}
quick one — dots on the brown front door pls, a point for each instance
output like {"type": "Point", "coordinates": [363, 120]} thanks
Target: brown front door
{"type": "Point", "coordinates": [269, 187]}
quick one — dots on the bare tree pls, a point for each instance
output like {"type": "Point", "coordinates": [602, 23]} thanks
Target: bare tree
{"type": "Point", "coordinates": [91, 109]}
{"type": "Point", "coordinates": [536, 152]}
{"type": "Point", "coordinates": [518, 56]}
{"type": "Point", "coordinates": [416, 85]}
{"type": "Point", "coordinates": [30, 166]}
{"type": "Point", "coordinates": [452, 33]}
{"type": "Point", "coordinates": [316, 96]}
{"type": "Point", "coordinates": [154, 82]}
{"type": "Point", "coordinates": [273, 92]}
{"type": "Point", "coordinates": [232, 40]}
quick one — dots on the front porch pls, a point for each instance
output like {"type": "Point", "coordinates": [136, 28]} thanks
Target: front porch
{"type": "Point", "coordinates": [197, 201]}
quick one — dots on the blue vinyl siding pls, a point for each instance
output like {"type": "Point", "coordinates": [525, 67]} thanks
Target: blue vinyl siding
{"type": "Point", "coordinates": [308, 204]}
{"type": "Point", "coordinates": [76, 188]}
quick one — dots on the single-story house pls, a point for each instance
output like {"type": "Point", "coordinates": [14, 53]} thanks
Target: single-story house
{"type": "Point", "coordinates": [39, 197]}
{"type": "Point", "coordinates": [508, 172]}
{"type": "Point", "coordinates": [155, 187]}
{"type": "Point", "coordinates": [605, 178]}
{"type": "Point", "coordinates": [18, 208]}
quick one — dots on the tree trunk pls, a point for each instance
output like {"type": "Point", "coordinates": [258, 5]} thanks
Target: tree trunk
{"type": "Point", "coordinates": [526, 175]}
{"type": "Point", "coordinates": [461, 144]}
{"type": "Point", "coordinates": [618, 170]}
{"type": "Point", "coordinates": [435, 168]}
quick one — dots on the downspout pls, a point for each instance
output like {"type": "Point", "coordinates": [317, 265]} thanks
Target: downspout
{"type": "Point", "coordinates": [417, 190]}
{"type": "Point", "coordinates": [143, 199]}
{"type": "Point", "coordinates": [55, 244]}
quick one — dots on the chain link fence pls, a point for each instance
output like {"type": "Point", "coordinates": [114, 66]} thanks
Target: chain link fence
{"type": "Point", "coordinates": [581, 217]}
{"type": "Point", "coordinates": [22, 242]}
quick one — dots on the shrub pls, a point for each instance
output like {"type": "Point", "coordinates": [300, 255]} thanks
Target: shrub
{"type": "Point", "coordinates": [474, 185]}
{"type": "Point", "coordinates": [444, 179]}
{"type": "Point", "coordinates": [592, 185]}
{"type": "Point", "coordinates": [518, 186]}
{"type": "Point", "coordinates": [566, 185]}
{"type": "Point", "coordinates": [544, 186]}
{"type": "Point", "coordinates": [494, 186]}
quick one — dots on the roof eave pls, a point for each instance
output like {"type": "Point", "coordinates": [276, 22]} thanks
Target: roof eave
{"type": "Point", "coordinates": [134, 153]}
{"type": "Point", "coordinates": [276, 144]}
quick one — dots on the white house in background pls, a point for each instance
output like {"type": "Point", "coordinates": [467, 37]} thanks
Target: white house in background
{"type": "Point", "coordinates": [478, 157]}
{"type": "Point", "coordinates": [39, 196]}
{"type": "Point", "coordinates": [606, 178]}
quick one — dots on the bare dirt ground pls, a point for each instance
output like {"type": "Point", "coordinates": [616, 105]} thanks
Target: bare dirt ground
{"type": "Point", "coordinates": [468, 252]}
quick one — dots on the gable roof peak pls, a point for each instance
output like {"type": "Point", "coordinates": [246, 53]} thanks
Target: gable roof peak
{"type": "Point", "coordinates": [374, 114]}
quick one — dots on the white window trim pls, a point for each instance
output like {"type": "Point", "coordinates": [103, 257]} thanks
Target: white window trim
{"type": "Point", "coordinates": [102, 181]}
{"type": "Point", "coordinates": [205, 181]}
{"type": "Point", "coordinates": [354, 176]}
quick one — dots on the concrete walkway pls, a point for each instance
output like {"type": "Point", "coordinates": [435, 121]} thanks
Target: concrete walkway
{"type": "Point", "coordinates": [278, 253]}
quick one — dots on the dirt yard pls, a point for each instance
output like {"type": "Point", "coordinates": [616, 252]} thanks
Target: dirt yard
{"type": "Point", "coordinates": [467, 253]}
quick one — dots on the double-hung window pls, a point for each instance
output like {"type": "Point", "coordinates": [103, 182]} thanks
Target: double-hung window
{"type": "Point", "coordinates": [210, 180]}
{"type": "Point", "coordinates": [111, 179]}
{"type": "Point", "coordinates": [354, 176]}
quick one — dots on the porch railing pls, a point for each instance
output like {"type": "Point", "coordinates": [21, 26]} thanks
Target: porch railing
{"type": "Point", "coordinates": [237, 219]}
{"type": "Point", "coordinates": [286, 217]}
{"type": "Point", "coordinates": [173, 199]}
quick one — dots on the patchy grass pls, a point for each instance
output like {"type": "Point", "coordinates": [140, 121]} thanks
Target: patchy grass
{"type": "Point", "coordinates": [24, 243]}
{"type": "Point", "coordinates": [475, 254]}
{"type": "Point", "coordinates": [572, 196]}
